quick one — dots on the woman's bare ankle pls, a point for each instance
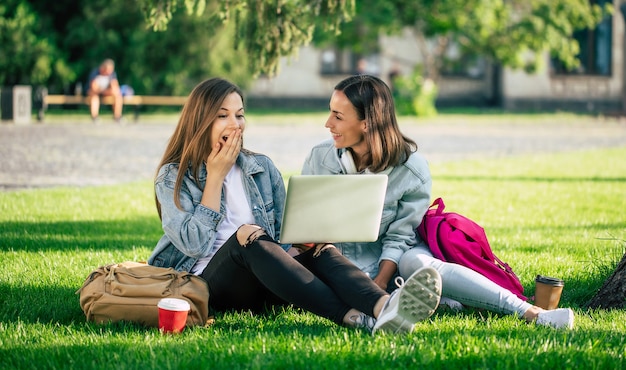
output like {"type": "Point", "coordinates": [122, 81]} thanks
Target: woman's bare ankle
{"type": "Point", "coordinates": [531, 314]}
{"type": "Point", "coordinates": [348, 319]}
{"type": "Point", "coordinates": [378, 307]}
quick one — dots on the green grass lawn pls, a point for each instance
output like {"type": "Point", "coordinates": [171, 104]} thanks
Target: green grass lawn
{"type": "Point", "coordinates": [560, 215]}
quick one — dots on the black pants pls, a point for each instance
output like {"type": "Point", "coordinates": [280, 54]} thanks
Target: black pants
{"type": "Point", "coordinates": [262, 274]}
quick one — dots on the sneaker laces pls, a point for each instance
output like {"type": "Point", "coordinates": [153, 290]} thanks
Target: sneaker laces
{"type": "Point", "coordinates": [399, 281]}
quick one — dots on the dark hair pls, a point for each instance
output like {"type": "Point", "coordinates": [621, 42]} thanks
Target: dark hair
{"type": "Point", "coordinates": [190, 144]}
{"type": "Point", "coordinates": [373, 102]}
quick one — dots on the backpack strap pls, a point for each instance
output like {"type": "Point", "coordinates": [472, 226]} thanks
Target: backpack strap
{"type": "Point", "coordinates": [430, 226]}
{"type": "Point", "coordinates": [440, 206]}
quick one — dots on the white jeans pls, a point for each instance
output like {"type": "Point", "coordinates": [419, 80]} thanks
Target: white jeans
{"type": "Point", "coordinates": [463, 284]}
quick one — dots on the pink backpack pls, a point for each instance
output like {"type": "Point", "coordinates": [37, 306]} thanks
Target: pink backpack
{"type": "Point", "coordinates": [455, 238]}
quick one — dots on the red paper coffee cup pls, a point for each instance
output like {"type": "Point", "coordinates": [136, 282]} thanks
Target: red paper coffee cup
{"type": "Point", "coordinates": [173, 315]}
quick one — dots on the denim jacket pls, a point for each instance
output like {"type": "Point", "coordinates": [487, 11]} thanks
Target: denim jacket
{"type": "Point", "coordinates": [190, 233]}
{"type": "Point", "coordinates": [406, 202]}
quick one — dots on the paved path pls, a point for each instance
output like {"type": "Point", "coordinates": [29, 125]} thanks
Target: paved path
{"type": "Point", "coordinates": [78, 153]}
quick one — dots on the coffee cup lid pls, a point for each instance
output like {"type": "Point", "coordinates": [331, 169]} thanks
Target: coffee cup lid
{"type": "Point", "coordinates": [549, 280]}
{"type": "Point", "coordinates": [174, 304]}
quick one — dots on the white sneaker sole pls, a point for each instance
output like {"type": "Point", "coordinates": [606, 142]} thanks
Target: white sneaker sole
{"type": "Point", "coordinates": [418, 299]}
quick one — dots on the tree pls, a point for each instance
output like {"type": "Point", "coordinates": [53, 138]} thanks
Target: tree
{"type": "Point", "coordinates": [170, 62]}
{"type": "Point", "coordinates": [513, 33]}
{"type": "Point", "coordinates": [56, 44]}
{"type": "Point", "coordinates": [265, 30]}
{"type": "Point", "coordinates": [612, 294]}
{"type": "Point", "coordinates": [26, 56]}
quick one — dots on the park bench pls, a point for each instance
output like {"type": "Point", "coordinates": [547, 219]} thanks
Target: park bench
{"type": "Point", "coordinates": [137, 101]}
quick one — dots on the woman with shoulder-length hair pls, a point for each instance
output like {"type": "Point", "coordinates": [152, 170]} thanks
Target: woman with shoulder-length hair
{"type": "Point", "coordinates": [366, 139]}
{"type": "Point", "coordinates": [221, 207]}
{"type": "Point", "coordinates": [383, 144]}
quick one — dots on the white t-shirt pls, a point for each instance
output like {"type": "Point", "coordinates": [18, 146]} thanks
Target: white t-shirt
{"type": "Point", "coordinates": [103, 82]}
{"type": "Point", "coordinates": [238, 212]}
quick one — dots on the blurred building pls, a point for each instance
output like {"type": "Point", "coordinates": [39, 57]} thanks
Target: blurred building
{"type": "Point", "coordinates": [599, 85]}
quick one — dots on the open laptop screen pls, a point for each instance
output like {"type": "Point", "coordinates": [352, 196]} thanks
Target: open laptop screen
{"type": "Point", "coordinates": [333, 208]}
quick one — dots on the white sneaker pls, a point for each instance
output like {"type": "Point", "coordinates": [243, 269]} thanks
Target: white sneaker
{"type": "Point", "coordinates": [559, 318]}
{"type": "Point", "coordinates": [452, 304]}
{"type": "Point", "coordinates": [416, 299]}
{"type": "Point", "coordinates": [364, 321]}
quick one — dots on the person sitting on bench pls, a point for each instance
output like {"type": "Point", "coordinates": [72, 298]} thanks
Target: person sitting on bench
{"type": "Point", "coordinates": [103, 82]}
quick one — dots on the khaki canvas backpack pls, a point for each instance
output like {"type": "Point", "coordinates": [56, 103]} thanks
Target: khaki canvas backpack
{"type": "Point", "coordinates": [130, 291]}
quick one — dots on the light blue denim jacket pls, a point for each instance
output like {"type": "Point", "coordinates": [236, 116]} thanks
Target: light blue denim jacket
{"type": "Point", "coordinates": [191, 232]}
{"type": "Point", "coordinates": [406, 201]}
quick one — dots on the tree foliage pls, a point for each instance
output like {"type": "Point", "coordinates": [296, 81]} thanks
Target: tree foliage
{"type": "Point", "coordinates": [57, 44]}
{"type": "Point", "coordinates": [25, 55]}
{"type": "Point", "coordinates": [265, 30]}
{"type": "Point", "coordinates": [514, 33]}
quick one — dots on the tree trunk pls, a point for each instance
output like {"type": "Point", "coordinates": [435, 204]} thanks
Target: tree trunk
{"type": "Point", "coordinates": [613, 292]}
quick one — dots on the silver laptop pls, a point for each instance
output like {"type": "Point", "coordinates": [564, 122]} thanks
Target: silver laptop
{"type": "Point", "coordinates": [333, 208]}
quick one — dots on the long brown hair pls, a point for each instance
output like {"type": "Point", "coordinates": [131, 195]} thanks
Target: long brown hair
{"type": "Point", "coordinates": [373, 102]}
{"type": "Point", "coordinates": [190, 143]}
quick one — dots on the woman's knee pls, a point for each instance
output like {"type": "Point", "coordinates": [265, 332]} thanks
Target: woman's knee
{"type": "Point", "coordinates": [322, 247]}
{"type": "Point", "coordinates": [247, 234]}
{"type": "Point", "coordinates": [413, 260]}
